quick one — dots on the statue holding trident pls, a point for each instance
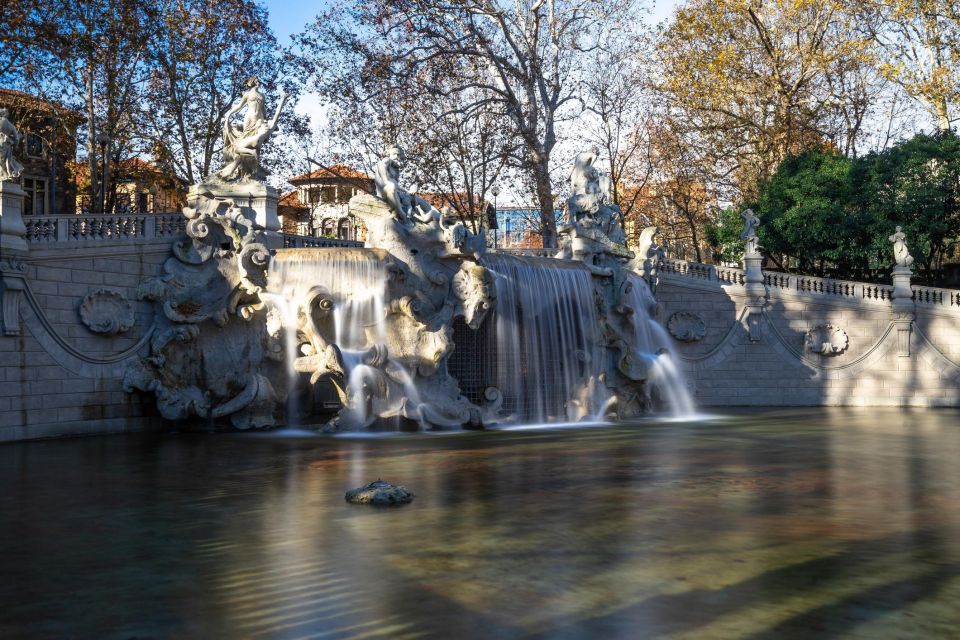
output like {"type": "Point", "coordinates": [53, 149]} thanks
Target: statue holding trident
{"type": "Point", "coordinates": [241, 144]}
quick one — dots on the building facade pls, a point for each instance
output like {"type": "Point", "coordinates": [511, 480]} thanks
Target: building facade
{"type": "Point", "coordinates": [319, 204]}
{"type": "Point", "coordinates": [47, 147]}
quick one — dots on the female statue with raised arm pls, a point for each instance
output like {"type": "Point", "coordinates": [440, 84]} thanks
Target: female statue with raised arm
{"type": "Point", "coordinates": [241, 144]}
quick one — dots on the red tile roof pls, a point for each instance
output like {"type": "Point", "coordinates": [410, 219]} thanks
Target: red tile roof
{"type": "Point", "coordinates": [21, 100]}
{"type": "Point", "coordinates": [341, 171]}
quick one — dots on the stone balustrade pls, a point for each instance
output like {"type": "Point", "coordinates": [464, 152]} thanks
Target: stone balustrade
{"type": "Point", "coordinates": [842, 289]}
{"type": "Point", "coordinates": [538, 252]}
{"type": "Point", "coordinates": [47, 230]}
{"type": "Point", "coordinates": [71, 229]}
{"type": "Point", "coordinates": [291, 241]}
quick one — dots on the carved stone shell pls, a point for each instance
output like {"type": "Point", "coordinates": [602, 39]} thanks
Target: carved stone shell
{"type": "Point", "coordinates": [686, 326]}
{"type": "Point", "coordinates": [105, 311]}
{"type": "Point", "coordinates": [826, 339]}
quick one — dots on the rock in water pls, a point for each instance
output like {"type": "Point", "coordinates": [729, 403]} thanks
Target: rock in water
{"type": "Point", "coordinates": [379, 493]}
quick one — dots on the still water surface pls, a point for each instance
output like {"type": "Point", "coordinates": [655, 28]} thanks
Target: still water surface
{"type": "Point", "coordinates": [778, 524]}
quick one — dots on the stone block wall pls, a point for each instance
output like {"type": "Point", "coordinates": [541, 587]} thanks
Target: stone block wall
{"type": "Point", "coordinates": [57, 376]}
{"type": "Point", "coordinates": [883, 361]}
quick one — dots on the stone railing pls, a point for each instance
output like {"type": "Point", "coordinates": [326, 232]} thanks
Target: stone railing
{"type": "Point", "coordinates": [841, 289]}
{"type": "Point", "coordinates": [936, 297]}
{"type": "Point", "coordinates": [538, 252]}
{"type": "Point", "coordinates": [47, 230]}
{"type": "Point", "coordinates": [291, 241]}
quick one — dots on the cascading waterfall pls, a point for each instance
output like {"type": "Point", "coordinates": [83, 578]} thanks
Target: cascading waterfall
{"type": "Point", "coordinates": [547, 335]}
{"type": "Point", "coordinates": [656, 348]}
{"type": "Point", "coordinates": [356, 281]}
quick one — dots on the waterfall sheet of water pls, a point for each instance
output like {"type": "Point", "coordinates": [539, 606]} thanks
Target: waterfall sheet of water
{"type": "Point", "coordinates": [356, 280]}
{"type": "Point", "coordinates": [547, 336]}
{"type": "Point", "coordinates": [656, 346]}
{"type": "Point", "coordinates": [548, 342]}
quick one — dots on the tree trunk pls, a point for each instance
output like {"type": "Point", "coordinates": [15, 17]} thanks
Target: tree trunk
{"type": "Point", "coordinates": [91, 140]}
{"type": "Point", "coordinates": [548, 221]}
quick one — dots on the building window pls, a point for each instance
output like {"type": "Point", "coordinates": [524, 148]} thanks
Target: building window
{"type": "Point", "coordinates": [142, 202]}
{"type": "Point", "coordinates": [34, 146]}
{"type": "Point", "coordinates": [35, 203]}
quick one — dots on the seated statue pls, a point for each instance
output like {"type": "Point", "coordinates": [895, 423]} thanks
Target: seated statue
{"type": "Point", "coordinates": [386, 179]}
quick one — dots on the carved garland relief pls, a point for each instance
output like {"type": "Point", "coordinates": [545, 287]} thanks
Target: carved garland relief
{"type": "Point", "coordinates": [826, 339]}
{"type": "Point", "coordinates": [107, 312]}
{"type": "Point", "coordinates": [687, 327]}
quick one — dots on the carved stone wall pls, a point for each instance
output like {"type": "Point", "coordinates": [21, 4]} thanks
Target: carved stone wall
{"type": "Point", "coordinates": [790, 366]}
{"type": "Point", "coordinates": [56, 376]}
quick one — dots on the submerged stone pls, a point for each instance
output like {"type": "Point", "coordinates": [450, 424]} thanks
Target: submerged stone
{"type": "Point", "coordinates": [379, 493]}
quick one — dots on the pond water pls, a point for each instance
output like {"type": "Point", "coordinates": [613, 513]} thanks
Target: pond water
{"type": "Point", "coordinates": [772, 524]}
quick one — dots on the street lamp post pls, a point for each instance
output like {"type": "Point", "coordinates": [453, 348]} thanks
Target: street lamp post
{"type": "Point", "coordinates": [103, 140]}
{"type": "Point", "coordinates": [495, 191]}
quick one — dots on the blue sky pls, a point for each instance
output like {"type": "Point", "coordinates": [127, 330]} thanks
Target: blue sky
{"type": "Point", "coordinates": [288, 17]}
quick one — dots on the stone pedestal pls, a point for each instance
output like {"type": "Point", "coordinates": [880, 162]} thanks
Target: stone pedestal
{"type": "Point", "coordinates": [904, 308]}
{"type": "Point", "coordinates": [256, 201]}
{"type": "Point", "coordinates": [756, 292]}
{"type": "Point", "coordinates": [13, 247]}
{"type": "Point", "coordinates": [12, 230]}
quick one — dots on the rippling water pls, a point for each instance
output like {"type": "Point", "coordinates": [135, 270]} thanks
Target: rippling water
{"type": "Point", "coordinates": [792, 523]}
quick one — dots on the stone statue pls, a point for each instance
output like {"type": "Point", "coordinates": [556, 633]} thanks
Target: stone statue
{"type": "Point", "coordinates": [386, 178]}
{"type": "Point", "coordinates": [900, 252]}
{"type": "Point", "coordinates": [749, 233]}
{"type": "Point", "coordinates": [585, 186]}
{"type": "Point", "coordinates": [10, 168]}
{"type": "Point", "coordinates": [649, 256]}
{"type": "Point", "coordinates": [241, 143]}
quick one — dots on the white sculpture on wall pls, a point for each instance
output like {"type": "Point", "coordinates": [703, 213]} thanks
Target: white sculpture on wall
{"type": "Point", "coordinates": [386, 179]}
{"type": "Point", "coordinates": [10, 168]}
{"type": "Point", "coordinates": [826, 339]}
{"type": "Point", "coordinates": [241, 143]}
{"type": "Point", "coordinates": [900, 252]}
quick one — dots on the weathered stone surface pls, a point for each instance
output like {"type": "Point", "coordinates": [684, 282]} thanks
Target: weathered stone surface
{"type": "Point", "coordinates": [379, 493]}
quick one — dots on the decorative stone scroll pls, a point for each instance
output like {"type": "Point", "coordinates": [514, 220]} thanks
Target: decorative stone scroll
{"type": "Point", "coordinates": [210, 355]}
{"type": "Point", "coordinates": [827, 340]}
{"type": "Point", "coordinates": [687, 327]}
{"type": "Point", "coordinates": [107, 312]}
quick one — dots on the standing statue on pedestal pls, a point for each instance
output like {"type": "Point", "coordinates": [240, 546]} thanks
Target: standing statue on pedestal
{"type": "Point", "coordinates": [241, 144]}
{"type": "Point", "coordinates": [900, 252]}
{"type": "Point", "coordinates": [10, 168]}
{"type": "Point", "coordinates": [749, 233]}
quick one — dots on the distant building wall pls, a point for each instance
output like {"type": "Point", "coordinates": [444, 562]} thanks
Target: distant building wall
{"type": "Point", "coordinates": [867, 361]}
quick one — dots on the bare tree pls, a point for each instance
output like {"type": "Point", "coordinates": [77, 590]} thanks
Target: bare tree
{"type": "Point", "coordinates": [919, 43]}
{"type": "Point", "coordinates": [528, 56]}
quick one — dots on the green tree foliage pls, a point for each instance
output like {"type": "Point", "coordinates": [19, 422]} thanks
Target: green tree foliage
{"type": "Point", "coordinates": [914, 184]}
{"type": "Point", "coordinates": [808, 213]}
{"type": "Point", "coordinates": [822, 211]}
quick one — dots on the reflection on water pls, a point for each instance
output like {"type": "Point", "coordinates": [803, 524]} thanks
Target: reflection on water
{"type": "Point", "coordinates": [770, 524]}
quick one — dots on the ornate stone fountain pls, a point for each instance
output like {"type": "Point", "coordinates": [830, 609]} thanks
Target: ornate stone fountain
{"type": "Point", "coordinates": [243, 324]}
